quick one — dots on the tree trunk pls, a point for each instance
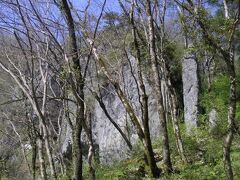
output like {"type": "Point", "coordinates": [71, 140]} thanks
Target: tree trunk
{"type": "Point", "coordinates": [34, 157]}
{"type": "Point", "coordinates": [62, 164]}
{"type": "Point", "coordinates": [176, 128]}
{"type": "Point", "coordinates": [77, 149]}
{"type": "Point", "coordinates": [143, 102]}
{"type": "Point", "coordinates": [77, 90]}
{"type": "Point", "coordinates": [41, 156]}
{"type": "Point", "coordinates": [173, 106]}
{"type": "Point", "coordinates": [157, 86]}
{"type": "Point", "coordinates": [33, 141]}
{"type": "Point", "coordinates": [91, 150]}
{"type": "Point", "coordinates": [148, 143]}
{"type": "Point", "coordinates": [231, 115]}
{"type": "Point", "coordinates": [49, 151]}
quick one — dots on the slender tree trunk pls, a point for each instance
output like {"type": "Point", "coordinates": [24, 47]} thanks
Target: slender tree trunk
{"type": "Point", "coordinates": [176, 128]}
{"type": "Point", "coordinates": [90, 162]}
{"type": "Point", "coordinates": [148, 143]}
{"type": "Point", "coordinates": [62, 164]}
{"type": "Point", "coordinates": [32, 134]}
{"type": "Point", "coordinates": [143, 102]}
{"type": "Point", "coordinates": [49, 151]}
{"type": "Point", "coordinates": [77, 90]}
{"type": "Point", "coordinates": [34, 157]}
{"type": "Point", "coordinates": [157, 86]}
{"type": "Point", "coordinates": [232, 100]}
{"type": "Point", "coordinates": [42, 118]}
{"type": "Point", "coordinates": [41, 156]}
{"type": "Point", "coordinates": [173, 106]}
{"type": "Point", "coordinates": [231, 116]}
{"type": "Point", "coordinates": [77, 148]}
{"type": "Point", "coordinates": [91, 150]}
{"type": "Point", "coordinates": [45, 138]}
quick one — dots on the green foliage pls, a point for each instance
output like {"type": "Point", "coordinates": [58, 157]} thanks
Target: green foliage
{"type": "Point", "coordinates": [238, 112]}
{"type": "Point", "coordinates": [62, 177]}
{"type": "Point", "coordinates": [122, 170]}
{"type": "Point", "coordinates": [218, 94]}
{"type": "Point", "coordinates": [204, 152]}
{"type": "Point", "coordinates": [173, 55]}
{"type": "Point", "coordinates": [64, 73]}
{"type": "Point", "coordinates": [216, 99]}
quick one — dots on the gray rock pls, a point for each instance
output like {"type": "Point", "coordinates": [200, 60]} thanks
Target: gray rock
{"type": "Point", "coordinates": [190, 91]}
{"type": "Point", "coordinates": [212, 118]}
{"type": "Point", "coordinates": [112, 147]}
{"type": "Point", "coordinates": [65, 138]}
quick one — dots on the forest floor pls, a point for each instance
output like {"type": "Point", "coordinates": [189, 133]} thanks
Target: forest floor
{"type": "Point", "coordinates": [203, 149]}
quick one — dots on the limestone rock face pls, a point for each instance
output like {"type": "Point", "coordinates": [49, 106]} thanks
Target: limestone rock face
{"type": "Point", "coordinates": [65, 138]}
{"type": "Point", "coordinates": [212, 118]}
{"type": "Point", "coordinates": [190, 91]}
{"type": "Point", "coordinates": [112, 146]}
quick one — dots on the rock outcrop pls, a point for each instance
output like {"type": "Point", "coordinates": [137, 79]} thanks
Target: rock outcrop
{"type": "Point", "coordinates": [212, 118]}
{"type": "Point", "coordinates": [190, 90]}
{"type": "Point", "coordinates": [111, 145]}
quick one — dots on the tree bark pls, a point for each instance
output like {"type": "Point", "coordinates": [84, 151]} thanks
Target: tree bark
{"type": "Point", "coordinates": [231, 115]}
{"type": "Point", "coordinates": [157, 86]}
{"type": "Point", "coordinates": [77, 149]}
{"type": "Point", "coordinates": [173, 106]}
{"type": "Point", "coordinates": [41, 156]}
{"type": "Point", "coordinates": [34, 157]}
{"type": "Point", "coordinates": [176, 128]}
{"type": "Point", "coordinates": [49, 150]}
{"type": "Point", "coordinates": [143, 102]}
{"type": "Point", "coordinates": [91, 150]}
{"type": "Point", "coordinates": [77, 89]}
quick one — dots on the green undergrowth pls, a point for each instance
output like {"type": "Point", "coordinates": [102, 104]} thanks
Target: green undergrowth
{"type": "Point", "coordinates": [203, 149]}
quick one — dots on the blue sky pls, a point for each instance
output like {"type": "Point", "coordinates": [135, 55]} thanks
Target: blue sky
{"type": "Point", "coordinates": [112, 5]}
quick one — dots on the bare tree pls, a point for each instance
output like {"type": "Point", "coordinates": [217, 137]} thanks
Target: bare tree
{"type": "Point", "coordinates": [157, 86]}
